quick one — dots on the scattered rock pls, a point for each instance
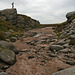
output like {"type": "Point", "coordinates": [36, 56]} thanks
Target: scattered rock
{"type": "Point", "coordinates": [71, 55]}
{"type": "Point", "coordinates": [66, 46]}
{"type": "Point", "coordinates": [13, 39]}
{"type": "Point", "coordinates": [30, 57]}
{"type": "Point", "coordinates": [71, 62]}
{"type": "Point", "coordinates": [65, 50]}
{"type": "Point", "coordinates": [52, 55]}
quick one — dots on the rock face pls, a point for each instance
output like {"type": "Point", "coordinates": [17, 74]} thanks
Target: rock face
{"type": "Point", "coordinates": [70, 15]}
{"type": "Point", "coordinates": [11, 15]}
{"type": "Point", "coordinates": [8, 56]}
{"type": "Point", "coordinates": [69, 71]}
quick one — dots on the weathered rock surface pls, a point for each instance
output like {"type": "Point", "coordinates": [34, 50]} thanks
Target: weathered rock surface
{"type": "Point", "coordinates": [3, 73]}
{"type": "Point", "coordinates": [11, 15]}
{"type": "Point", "coordinates": [61, 42]}
{"type": "Point", "coordinates": [18, 20]}
{"type": "Point", "coordinates": [8, 56]}
{"type": "Point", "coordinates": [70, 15]}
{"type": "Point", "coordinates": [8, 45]}
{"type": "Point", "coordinates": [69, 71]}
{"type": "Point", "coordinates": [56, 47]}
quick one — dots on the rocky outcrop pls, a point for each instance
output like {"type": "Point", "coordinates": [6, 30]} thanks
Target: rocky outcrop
{"type": "Point", "coordinates": [69, 71]}
{"type": "Point", "coordinates": [8, 56]}
{"type": "Point", "coordinates": [10, 14]}
{"type": "Point", "coordinates": [18, 20]}
{"type": "Point", "coordinates": [70, 15]}
{"type": "Point", "coordinates": [69, 31]}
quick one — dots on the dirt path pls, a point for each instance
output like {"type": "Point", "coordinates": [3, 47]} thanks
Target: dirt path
{"type": "Point", "coordinates": [36, 58]}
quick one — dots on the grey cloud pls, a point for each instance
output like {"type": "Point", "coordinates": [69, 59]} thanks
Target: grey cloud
{"type": "Point", "coordinates": [46, 11]}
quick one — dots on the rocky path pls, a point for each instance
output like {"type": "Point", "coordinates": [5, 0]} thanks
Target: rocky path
{"type": "Point", "coordinates": [35, 57]}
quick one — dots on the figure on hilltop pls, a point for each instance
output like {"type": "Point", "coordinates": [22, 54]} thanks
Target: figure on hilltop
{"type": "Point", "coordinates": [12, 5]}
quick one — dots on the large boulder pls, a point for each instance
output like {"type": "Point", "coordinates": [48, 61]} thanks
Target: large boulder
{"type": "Point", "coordinates": [70, 15]}
{"type": "Point", "coordinates": [11, 15]}
{"type": "Point", "coordinates": [69, 71]}
{"type": "Point", "coordinates": [8, 56]}
{"type": "Point", "coordinates": [3, 73]}
{"type": "Point", "coordinates": [56, 47]}
{"type": "Point", "coordinates": [8, 45]}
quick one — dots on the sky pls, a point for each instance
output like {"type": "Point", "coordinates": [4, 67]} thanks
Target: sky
{"type": "Point", "coordinates": [45, 11]}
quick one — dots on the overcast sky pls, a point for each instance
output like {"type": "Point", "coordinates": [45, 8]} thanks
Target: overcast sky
{"type": "Point", "coordinates": [46, 11]}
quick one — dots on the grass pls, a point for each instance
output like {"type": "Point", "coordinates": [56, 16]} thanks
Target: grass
{"type": "Point", "coordinates": [6, 26]}
{"type": "Point", "coordinates": [17, 33]}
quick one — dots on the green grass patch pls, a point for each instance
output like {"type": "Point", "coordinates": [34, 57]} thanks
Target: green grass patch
{"type": "Point", "coordinates": [19, 34]}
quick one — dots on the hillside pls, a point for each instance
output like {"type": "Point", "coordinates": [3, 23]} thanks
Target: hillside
{"type": "Point", "coordinates": [27, 49]}
{"type": "Point", "coordinates": [14, 23]}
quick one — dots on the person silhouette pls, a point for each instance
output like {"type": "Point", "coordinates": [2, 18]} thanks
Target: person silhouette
{"type": "Point", "coordinates": [12, 5]}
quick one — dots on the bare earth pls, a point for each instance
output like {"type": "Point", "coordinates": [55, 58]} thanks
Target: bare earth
{"type": "Point", "coordinates": [34, 58]}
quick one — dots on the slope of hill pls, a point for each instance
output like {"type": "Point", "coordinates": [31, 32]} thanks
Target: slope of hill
{"type": "Point", "coordinates": [16, 24]}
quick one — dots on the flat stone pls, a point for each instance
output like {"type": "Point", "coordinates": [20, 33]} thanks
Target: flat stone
{"type": "Point", "coordinates": [65, 50]}
{"type": "Point", "coordinates": [56, 47]}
